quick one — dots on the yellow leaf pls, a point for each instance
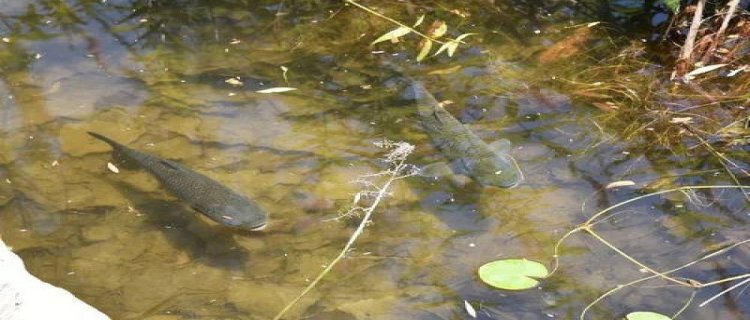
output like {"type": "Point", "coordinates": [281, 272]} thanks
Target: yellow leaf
{"type": "Point", "coordinates": [461, 37]}
{"type": "Point", "coordinates": [393, 35]}
{"type": "Point", "coordinates": [445, 71]}
{"type": "Point", "coordinates": [452, 47]}
{"type": "Point", "coordinates": [442, 48]}
{"type": "Point", "coordinates": [426, 46]}
{"type": "Point", "coordinates": [419, 21]}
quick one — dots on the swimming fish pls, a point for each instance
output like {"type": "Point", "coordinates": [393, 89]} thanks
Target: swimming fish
{"type": "Point", "coordinates": [488, 164]}
{"type": "Point", "coordinates": [200, 192]}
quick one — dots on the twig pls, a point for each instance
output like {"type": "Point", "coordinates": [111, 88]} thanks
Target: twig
{"type": "Point", "coordinates": [399, 170]}
{"type": "Point", "coordinates": [687, 48]}
{"type": "Point", "coordinates": [724, 24]}
{"type": "Point", "coordinates": [724, 292]}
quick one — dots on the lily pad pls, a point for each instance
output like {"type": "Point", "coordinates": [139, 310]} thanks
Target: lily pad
{"type": "Point", "coordinates": [512, 274]}
{"type": "Point", "coordinates": [645, 315]}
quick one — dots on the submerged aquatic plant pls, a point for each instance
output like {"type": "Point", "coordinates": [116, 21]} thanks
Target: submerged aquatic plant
{"type": "Point", "coordinates": [376, 186]}
{"type": "Point", "coordinates": [520, 274]}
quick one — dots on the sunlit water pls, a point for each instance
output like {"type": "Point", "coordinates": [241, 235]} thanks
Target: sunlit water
{"type": "Point", "coordinates": [153, 76]}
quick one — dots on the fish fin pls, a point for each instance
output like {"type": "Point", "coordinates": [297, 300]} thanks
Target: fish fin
{"type": "Point", "coordinates": [502, 146]}
{"type": "Point", "coordinates": [438, 169]}
{"type": "Point", "coordinates": [171, 164]}
{"type": "Point", "coordinates": [198, 209]}
{"type": "Point", "coordinates": [114, 144]}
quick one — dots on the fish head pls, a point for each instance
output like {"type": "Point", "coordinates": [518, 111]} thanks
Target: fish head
{"type": "Point", "coordinates": [247, 217]}
{"type": "Point", "coordinates": [498, 170]}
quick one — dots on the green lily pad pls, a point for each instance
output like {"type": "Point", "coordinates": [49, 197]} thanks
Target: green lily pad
{"type": "Point", "coordinates": [645, 315]}
{"type": "Point", "coordinates": [512, 274]}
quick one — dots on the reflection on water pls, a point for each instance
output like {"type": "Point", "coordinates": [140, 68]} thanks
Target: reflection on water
{"type": "Point", "coordinates": [152, 75]}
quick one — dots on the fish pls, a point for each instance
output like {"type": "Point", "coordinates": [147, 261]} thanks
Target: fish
{"type": "Point", "coordinates": [205, 195]}
{"type": "Point", "coordinates": [487, 164]}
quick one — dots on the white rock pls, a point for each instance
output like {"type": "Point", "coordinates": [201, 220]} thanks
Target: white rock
{"type": "Point", "coordinates": [24, 297]}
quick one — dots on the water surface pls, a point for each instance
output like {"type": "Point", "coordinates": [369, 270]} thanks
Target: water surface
{"type": "Point", "coordinates": [153, 75]}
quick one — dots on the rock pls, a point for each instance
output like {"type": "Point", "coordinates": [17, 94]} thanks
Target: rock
{"type": "Point", "coordinates": [24, 297]}
{"type": "Point", "coordinates": [114, 123]}
{"type": "Point", "coordinates": [369, 308]}
{"type": "Point", "coordinates": [266, 299]}
{"type": "Point", "coordinates": [97, 233]}
{"type": "Point", "coordinates": [77, 96]}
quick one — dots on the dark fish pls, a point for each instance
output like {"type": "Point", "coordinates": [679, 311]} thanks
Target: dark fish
{"type": "Point", "coordinates": [488, 164]}
{"type": "Point", "coordinates": [202, 193]}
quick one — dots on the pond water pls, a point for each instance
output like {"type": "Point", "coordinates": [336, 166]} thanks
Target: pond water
{"type": "Point", "coordinates": [157, 76]}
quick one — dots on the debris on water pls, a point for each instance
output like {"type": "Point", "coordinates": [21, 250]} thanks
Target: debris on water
{"type": "Point", "coordinates": [681, 120]}
{"type": "Point", "coordinates": [234, 81]}
{"type": "Point", "coordinates": [111, 166]}
{"type": "Point", "coordinates": [276, 90]}
{"type": "Point", "coordinates": [621, 183]}
{"type": "Point", "coordinates": [470, 309]}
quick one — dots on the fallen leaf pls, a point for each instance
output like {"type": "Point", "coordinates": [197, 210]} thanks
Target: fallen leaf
{"type": "Point", "coordinates": [445, 71]}
{"type": "Point", "coordinates": [426, 46]}
{"type": "Point", "coordinates": [419, 21]}
{"type": "Point", "coordinates": [621, 183]}
{"type": "Point", "coordinates": [681, 120]}
{"type": "Point", "coordinates": [702, 70]}
{"type": "Point", "coordinates": [111, 166]}
{"type": "Point", "coordinates": [469, 309]}
{"type": "Point", "coordinates": [438, 29]}
{"type": "Point", "coordinates": [276, 90]}
{"type": "Point", "coordinates": [234, 81]}
{"type": "Point", "coordinates": [393, 35]}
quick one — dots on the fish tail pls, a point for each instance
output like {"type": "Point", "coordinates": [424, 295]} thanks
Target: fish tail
{"type": "Point", "coordinates": [109, 141]}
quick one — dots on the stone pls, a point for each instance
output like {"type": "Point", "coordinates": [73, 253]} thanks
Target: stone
{"type": "Point", "coordinates": [24, 297]}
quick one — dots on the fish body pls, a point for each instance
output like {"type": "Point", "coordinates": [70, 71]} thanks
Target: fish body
{"type": "Point", "coordinates": [469, 154]}
{"type": "Point", "coordinates": [200, 192]}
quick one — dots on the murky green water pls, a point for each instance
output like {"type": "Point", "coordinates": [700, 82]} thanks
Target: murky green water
{"type": "Point", "coordinates": [153, 75]}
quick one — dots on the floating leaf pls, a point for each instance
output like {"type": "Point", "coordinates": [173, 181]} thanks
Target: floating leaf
{"type": "Point", "coordinates": [621, 183]}
{"type": "Point", "coordinates": [438, 29]}
{"type": "Point", "coordinates": [645, 315]}
{"type": "Point", "coordinates": [512, 274]}
{"type": "Point", "coordinates": [419, 21]}
{"type": "Point", "coordinates": [393, 35]}
{"type": "Point", "coordinates": [470, 309]}
{"type": "Point", "coordinates": [276, 90]}
{"type": "Point", "coordinates": [425, 47]}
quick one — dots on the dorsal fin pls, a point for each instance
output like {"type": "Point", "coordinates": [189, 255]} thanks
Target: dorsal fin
{"type": "Point", "coordinates": [170, 164]}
